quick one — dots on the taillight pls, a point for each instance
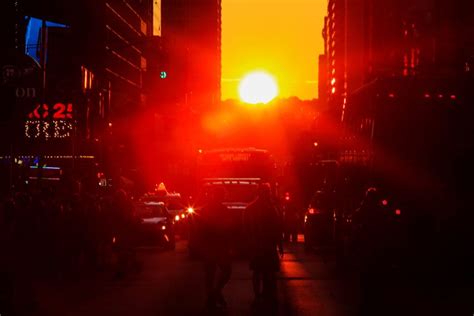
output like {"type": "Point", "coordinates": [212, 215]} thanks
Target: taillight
{"type": "Point", "coordinates": [398, 212]}
{"type": "Point", "coordinates": [313, 211]}
{"type": "Point", "coordinates": [384, 202]}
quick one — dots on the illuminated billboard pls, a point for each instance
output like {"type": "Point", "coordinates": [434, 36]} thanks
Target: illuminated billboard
{"type": "Point", "coordinates": [46, 122]}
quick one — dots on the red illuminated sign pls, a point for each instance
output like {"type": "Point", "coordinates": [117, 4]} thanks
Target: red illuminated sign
{"type": "Point", "coordinates": [47, 122]}
{"type": "Point", "coordinates": [59, 111]}
{"type": "Point", "coordinates": [235, 156]}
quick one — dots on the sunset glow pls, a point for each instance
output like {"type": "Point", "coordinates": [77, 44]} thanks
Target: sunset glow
{"type": "Point", "coordinates": [258, 87]}
{"type": "Point", "coordinates": [283, 37]}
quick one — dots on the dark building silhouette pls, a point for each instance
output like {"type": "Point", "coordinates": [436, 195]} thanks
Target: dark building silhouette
{"type": "Point", "coordinates": [399, 74]}
{"type": "Point", "coordinates": [322, 80]}
{"type": "Point", "coordinates": [92, 57]}
{"type": "Point", "coordinates": [192, 41]}
{"type": "Point", "coordinates": [367, 40]}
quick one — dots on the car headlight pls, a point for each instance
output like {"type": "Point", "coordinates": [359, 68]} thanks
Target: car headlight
{"type": "Point", "coordinates": [163, 227]}
{"type": "Point", "coordinates": [176, 218]}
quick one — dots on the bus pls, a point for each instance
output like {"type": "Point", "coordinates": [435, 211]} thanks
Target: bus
{"type": "Point", "coordinates": [239, 171]}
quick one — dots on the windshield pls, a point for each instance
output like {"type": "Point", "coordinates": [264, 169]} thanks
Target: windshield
{"type": "Point", "coordinates": [175, 206]}
{"type": "Point", "coordinates": [151, 210]}
{"type": "Point", "coordinates": [236, 164]}
{"type": "Point", "coordinates": [323, 200]}
{"type": "Point", "coordinates": [238, 193]}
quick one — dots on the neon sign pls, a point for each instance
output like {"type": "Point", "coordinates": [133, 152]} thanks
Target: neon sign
{"type": "Point", "coordinates": [37, 129]}
{"type": "Point", "coordinates": [47, 122]}
{"type": "Point", "coordinates": [59, 111]}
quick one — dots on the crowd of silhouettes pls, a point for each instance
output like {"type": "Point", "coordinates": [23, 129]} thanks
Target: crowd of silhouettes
{"type": "Point", "coordinates": [261, 227]}
{"type": "Point", "coordinates": [59, 233]}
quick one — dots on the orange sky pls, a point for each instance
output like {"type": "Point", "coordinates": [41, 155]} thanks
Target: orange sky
{"type": "Point", "coordinates": [282, 37]}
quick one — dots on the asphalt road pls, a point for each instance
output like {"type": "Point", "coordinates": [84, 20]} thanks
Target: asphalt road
{"type": "Point", "coordinates": [170, 283]}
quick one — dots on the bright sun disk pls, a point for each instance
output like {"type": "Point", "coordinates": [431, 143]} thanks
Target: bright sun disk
{"type": "Point", "coordinates": [258, 87]}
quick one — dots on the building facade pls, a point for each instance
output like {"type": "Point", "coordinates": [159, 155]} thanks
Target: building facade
{"type": "Point", "coordinates": [344, 49]}
{"type": "Point", "coordinates": [89, 60]}
{"type": "Point", "coordinates": [192, 42]}
{"type": "Point", "coordinates": [366, 40]}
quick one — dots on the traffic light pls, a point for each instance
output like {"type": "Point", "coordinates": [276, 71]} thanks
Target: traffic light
{"type": "Point", "coordinates": [163, 75]}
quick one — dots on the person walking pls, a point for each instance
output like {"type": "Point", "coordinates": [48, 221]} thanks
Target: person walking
{"type": "Point", "coordinates": [214, 231]}
{"type": "Point", "coordinates": [124, 224]}
{"type": "Point", "coordinates": [264, 229]}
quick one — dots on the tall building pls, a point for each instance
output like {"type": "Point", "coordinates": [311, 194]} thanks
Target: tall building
{"type": "Point", "coordinates": [366, 40]}
{"type": "Point", "coordinates": [396, 67]}
{"type": "Point", "coordinates": [91, 57]}
{"type": "Point", "coordinates": [343, 34]}
{"type": "Point", "coordinates": [322, 81]}
{"type": "Point", "coordinates": [192, 39]}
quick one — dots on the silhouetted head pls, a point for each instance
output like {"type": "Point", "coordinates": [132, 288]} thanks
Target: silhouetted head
{"type": "Point", "coordinates": [372, 195]}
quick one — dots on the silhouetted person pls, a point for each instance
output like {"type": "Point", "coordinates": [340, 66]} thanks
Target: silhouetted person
{"type": "Point", "coordinates": [124, 224]}
{"type": "Point", "coordinates": [370, 241]}
{"type": "Point", "coordinates": [370, 220]}
{"type": "Point", "coordinates": [290, 222]}
{"type": "Point", "coordinates": [214, 234]}
{"type": "Point", "coordinates": [263, 226]}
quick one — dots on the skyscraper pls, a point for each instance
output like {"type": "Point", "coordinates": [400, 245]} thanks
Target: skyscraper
{"type": "Point", "coordinates": [343, 34]}
{"type": "Point", "coordinates": [92, 56]}
{"type": "Point", "coordinates": [192, 37]}
{"type": "Point", "coordinates": [366, 40]}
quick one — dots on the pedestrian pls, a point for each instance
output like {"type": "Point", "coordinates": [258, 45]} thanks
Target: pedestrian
{"type": "Point", "coordinates": [124, 224]}
{"type": "Point", "coordinates": [263, 226]}
{"type": "Point", "coordinates": [291, 220]}
{"type": "Point", "coordinates": [214, 247]}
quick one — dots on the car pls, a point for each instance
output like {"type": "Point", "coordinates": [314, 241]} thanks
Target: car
{"type": "Point", "coordinates": [320, 221]}
{"type": "Point", "coordinates": [180, 213]}
{"type": "Point", "coordinates": [156, 225]}
{"type": "Point", "coordinates": [178, 210]}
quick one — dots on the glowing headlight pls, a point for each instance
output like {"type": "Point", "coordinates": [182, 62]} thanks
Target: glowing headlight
{"type": "Point", "coordinates": [176, 218]}
{"type": "Point", "coordinates": [163, 227]}
{"type": "Point", "coordinates": [183, 216]}
{"type": "Point", "coordinates": [190, 210]}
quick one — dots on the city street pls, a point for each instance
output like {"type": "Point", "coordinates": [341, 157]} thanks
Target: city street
{"type": "Point", "coordinates": [172, 284]}
{"type": "Point", "coordinates": [214, 128]}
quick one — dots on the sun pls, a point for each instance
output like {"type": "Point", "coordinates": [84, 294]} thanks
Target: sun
{"type": "Point", "coordinates": [258, 87]}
